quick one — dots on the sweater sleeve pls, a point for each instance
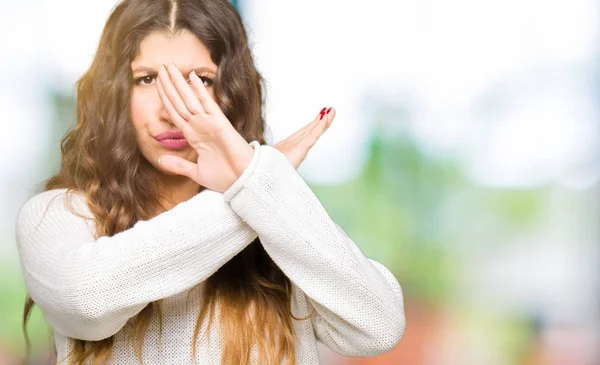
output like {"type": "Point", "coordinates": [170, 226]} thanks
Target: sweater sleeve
{"type": "Point", "coordinates": [88, 288]}
{"type": "Point", "coordinates": [358, 301]}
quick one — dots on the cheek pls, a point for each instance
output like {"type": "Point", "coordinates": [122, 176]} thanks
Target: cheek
{"type": "Point", "coordinates": [143, 112]}
{"type": "Point", "coordinates": [139, 110]}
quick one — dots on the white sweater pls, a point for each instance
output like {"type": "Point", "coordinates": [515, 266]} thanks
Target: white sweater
{"type": "Point", "coordinates": [89, 288]}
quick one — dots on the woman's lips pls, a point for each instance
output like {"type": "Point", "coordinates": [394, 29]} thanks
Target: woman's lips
{"type": "Point", "coordinates": [172, 139]}
{"type": "Point", "coordinates": [176, 134]}
{"type": "Point", "coordinates": [174, 143]}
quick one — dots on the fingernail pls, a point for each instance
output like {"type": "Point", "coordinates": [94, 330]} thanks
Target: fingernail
{"type": "Point", "coordinates": [159, 158]}
{"type": "Point", "coordinates": [322, 114]}
{"type": "Point", "coordinates": [322, 111]}
{"type": "Point", "coordinates": [328, 110]}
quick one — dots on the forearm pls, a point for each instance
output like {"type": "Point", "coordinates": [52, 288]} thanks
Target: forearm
{"type": "Point", "coordinates": [89, 287]}
{"type": "Point", "coordinates": [359, 302]}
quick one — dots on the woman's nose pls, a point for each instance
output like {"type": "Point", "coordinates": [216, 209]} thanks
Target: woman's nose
{"type": "Point", "coordinates": [163, 113]}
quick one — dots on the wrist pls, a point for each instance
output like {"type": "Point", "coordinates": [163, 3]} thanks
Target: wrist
{"type": "Point", "coordinates": [238, 152]}
{"type": "Point", "coordinates": [242, 160]}
{"type": "Point", "coordinates": [241, 180]}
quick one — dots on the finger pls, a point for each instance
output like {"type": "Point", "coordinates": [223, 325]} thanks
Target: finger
{"type": "Point", "coordinates": [317, 119]}
{"type": "Point", "coordinates": [323, 121]}
{"type": "Point", "coordinates": [179, 122]}
{"type": "Point", "coordinates": [172, 94]}
{"type": "Point", "coordinates": [179, 166]}
{"type": "Point", "coordinates": [208, 103]}
{"type": "Point", "coordinates": [331, 115]}
{"type": "Point", "coordinates": [320, 128]}
{"type": "Point", "coordinates": [184, 90]}
{"type": "Point", "coordinates": [307, 128]}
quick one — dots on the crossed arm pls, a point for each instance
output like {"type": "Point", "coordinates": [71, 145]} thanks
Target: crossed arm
{"type": "Point", "coordinates": [89, 288]}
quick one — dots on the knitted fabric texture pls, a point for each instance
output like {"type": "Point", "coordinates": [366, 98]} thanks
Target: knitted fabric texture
{"type": "Point", "coordinates": [89, 288]}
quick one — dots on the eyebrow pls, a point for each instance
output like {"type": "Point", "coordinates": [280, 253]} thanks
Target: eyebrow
{"type": "Point", "coordinates": [198, 70]}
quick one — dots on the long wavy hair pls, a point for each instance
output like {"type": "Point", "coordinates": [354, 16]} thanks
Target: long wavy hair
{"type": "Point", "coordinates": [101, 160]}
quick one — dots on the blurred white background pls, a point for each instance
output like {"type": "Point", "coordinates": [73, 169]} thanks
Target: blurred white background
{"type": "Point", "coordinates": [505, 92]}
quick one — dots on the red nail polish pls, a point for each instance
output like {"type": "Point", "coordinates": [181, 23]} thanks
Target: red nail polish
{"type": "Point", "coordinates": [322, 111]}
{"type": "Point", "coordinates": [322, 115]}
{"type": "Point", "coordinates": [328, 110]}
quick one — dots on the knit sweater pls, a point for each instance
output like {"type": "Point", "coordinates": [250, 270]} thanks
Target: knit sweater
{"type": "Point", "coordinates": [89, 288]}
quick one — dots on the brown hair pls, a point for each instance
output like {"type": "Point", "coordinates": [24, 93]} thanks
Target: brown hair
{"type": "Point", "coordinates": [102, 161]}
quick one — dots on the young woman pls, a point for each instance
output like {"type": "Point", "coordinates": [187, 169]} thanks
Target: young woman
{"type": "Point", "coordinates": [219, 253]}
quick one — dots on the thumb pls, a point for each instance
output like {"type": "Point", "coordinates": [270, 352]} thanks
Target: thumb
{"type": "Point", "coordinates": [178, 165]}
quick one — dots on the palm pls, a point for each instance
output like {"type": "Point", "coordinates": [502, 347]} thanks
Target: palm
{"type": "Point", "coordinates": [219, 147]}
{"type": "Point", "coordinates": [205, 170]}
{"type": "Point", "coordinates": [296, 146]}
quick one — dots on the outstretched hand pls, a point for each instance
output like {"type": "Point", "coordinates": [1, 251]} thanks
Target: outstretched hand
{"type": "Point", "coordinates": [223, 154]}
{"type": "Point", "coordinates": [296, 146]}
